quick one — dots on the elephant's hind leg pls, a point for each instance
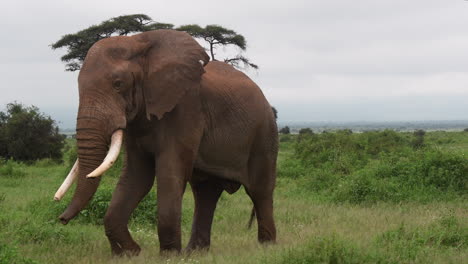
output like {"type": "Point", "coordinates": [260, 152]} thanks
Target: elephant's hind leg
{"type": "Point", "coordinates": [136, 181]}
{"type": "Point", "coordinates": [260, 189]}
{"type": "Point", "coordinates": [206, 194]}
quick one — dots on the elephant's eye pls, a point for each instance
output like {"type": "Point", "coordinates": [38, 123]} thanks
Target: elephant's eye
{"type": "Point", "coordinates": [117, 84]}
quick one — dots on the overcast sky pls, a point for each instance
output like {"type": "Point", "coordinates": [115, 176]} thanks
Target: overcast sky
{"type": "Point", "coordinates": [320, 60]}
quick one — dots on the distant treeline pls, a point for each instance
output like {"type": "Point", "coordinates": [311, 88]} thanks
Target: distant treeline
{"type": "Point", "coordinates": [404, 126]}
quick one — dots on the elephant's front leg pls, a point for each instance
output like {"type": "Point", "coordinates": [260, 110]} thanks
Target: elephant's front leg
{"type": "Point", "coordinates": [171, 175]}
{"type": "Point", "coordinates": [136, 181]}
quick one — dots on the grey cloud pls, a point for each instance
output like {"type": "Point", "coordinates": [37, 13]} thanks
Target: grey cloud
{"type": "Point", "coordinates": [328, 53]}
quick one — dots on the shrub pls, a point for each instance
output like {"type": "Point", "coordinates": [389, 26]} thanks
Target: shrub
{"type": "Point", "coordinates": [70, 153]}
{"type": "Point", "coordinates": [28, 135]}
{"type": "Point", "coordinates": [443, 170]}
{"type": "Point", "coordinates": [418, 141]}
{"type": "Point", "coordinates": [94, 213]}
{"type": "Point", "coordinates": [291, 168]}
{"type": "Point", "coordinates": [375, 166]}
{"type": "Point", "coordinates": [10, 168]}
{"type": "Point", "coordinates": [376, 142]}
{"type": "Point", "coordinates": [285, 138]}
{"type": "Point", "coordinates": [46, 210]}
{"type": "Point", "coordinates": [285, 130]}
{"type": "Point", "coordinates": [303, 131]}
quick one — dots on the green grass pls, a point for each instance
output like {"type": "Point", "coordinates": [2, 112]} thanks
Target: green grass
{"type": "Point", "coordinates": [313, 225]}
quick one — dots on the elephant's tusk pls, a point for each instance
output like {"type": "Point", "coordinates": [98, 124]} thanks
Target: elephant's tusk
{"type": "Point", "coordinates": [67, 183]}
{"type": "Point", "coordinates": [112, 155]}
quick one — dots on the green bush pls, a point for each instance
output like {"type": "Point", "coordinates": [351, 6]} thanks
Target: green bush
{"type": "Point", "coordinates": [375, 166]}
{"type": "Point", "coordinates": [47, 210]}
{"type": "Point", "coordinates": [285, 137]}
{"type": "Point", "coordinates": [418, 140]}
{"type": "Point", "coordinates": [363, 187]}
{"type": "Point", "coordinates": [70, 154]}
{"type": "Point", "coordinates": [10, 168]}
{"type": "Point", "coordinates": [285, 130]}
{"type": "Point", "coordinates": [443, 170]}
{"type": "Point", "coordinates": [144, 214]}
{"type": "Point", "coordinates": [292, 168]}
{"type": "Point", "coordinates": [26, 134]}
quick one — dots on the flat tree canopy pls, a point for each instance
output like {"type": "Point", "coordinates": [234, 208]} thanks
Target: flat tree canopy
{"type": "Point", "coordinates": [78, 44]}
{"type": "Point", "coordinates": [215, 36]}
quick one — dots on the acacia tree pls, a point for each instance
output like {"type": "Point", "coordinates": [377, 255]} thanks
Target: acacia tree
{"type": "Point", "coordinates": [216, 36]}
{"type": "Point", "coordinates": [78, 44]}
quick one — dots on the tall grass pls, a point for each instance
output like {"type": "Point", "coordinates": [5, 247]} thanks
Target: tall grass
{"type": "Point", "coordinates": [376, 166]}
{"type": "Point", "coordinates": [11, 168]}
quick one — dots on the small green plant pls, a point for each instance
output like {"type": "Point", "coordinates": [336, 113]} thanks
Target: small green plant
{"type": "Point", "coordinates": [39, 232]}
{"type": "Point", "coordinates": [285, 138]}
{"type": "Point", "coordinates": [43, 163]}
{"type": "Point", "coordinates": [411, 243]}
{"type": "Point", "coordinates": [70, 153]}
{"type": "Point", "coordinates": [9, 254]}
{"type": "Point", "coordinates": [144, 214]}
{"type": "Point", "coordinates": [328, 250]}
{"type": "Point", "coordinates": [10, 168]}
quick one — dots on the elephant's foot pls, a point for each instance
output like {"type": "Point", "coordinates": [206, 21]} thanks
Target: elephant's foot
{"type": "Point", "coordinates": [197, 243]}
{"type": "Point", "coordinates": [266, 235]}
{"type": "Point", "coordinates": [129, 249]}
{"type": "Point", "coordinates": [128, 252]}
{"type": "Point", "coordinates": [170, 248]}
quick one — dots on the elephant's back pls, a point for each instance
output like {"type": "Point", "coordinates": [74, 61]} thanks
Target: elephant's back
{"type": "Point", "coordinates": [231, 94]}
{"type": "Point", "coordinates": [236, 113]}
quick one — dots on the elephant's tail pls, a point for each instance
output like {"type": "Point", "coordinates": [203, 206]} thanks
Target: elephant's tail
{"type": "Point", "coordinates": [252, 217]}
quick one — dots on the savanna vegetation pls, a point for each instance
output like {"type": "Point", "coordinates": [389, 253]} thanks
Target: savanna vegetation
{"type": "Point", "coordinates": [341, 197]}
{"type": "Point", "coordinates": [26, 134]}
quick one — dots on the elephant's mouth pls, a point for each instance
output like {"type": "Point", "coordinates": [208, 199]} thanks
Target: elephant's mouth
{"type": "Point", "coordinates": [109, 160]}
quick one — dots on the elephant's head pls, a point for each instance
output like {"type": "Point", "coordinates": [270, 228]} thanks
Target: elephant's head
{"type": "Point", "coordinates": [123, 78]}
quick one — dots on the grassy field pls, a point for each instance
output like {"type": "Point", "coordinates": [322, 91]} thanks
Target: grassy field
{"type": "Point", "coordinates": [317, 223]}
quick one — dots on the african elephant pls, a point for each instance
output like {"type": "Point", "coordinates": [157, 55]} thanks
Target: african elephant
{"type": "Point", "coordinates": [184, 119]}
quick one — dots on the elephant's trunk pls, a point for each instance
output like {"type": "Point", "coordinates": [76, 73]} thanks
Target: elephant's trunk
{"type": "Point", "coordinates": [93, 135]}
{"type": "Point", "coordinates": [92, 148]}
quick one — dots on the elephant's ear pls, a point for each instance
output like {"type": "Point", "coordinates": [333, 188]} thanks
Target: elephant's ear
{"type": "Point", "coordinates": [174, 64]}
